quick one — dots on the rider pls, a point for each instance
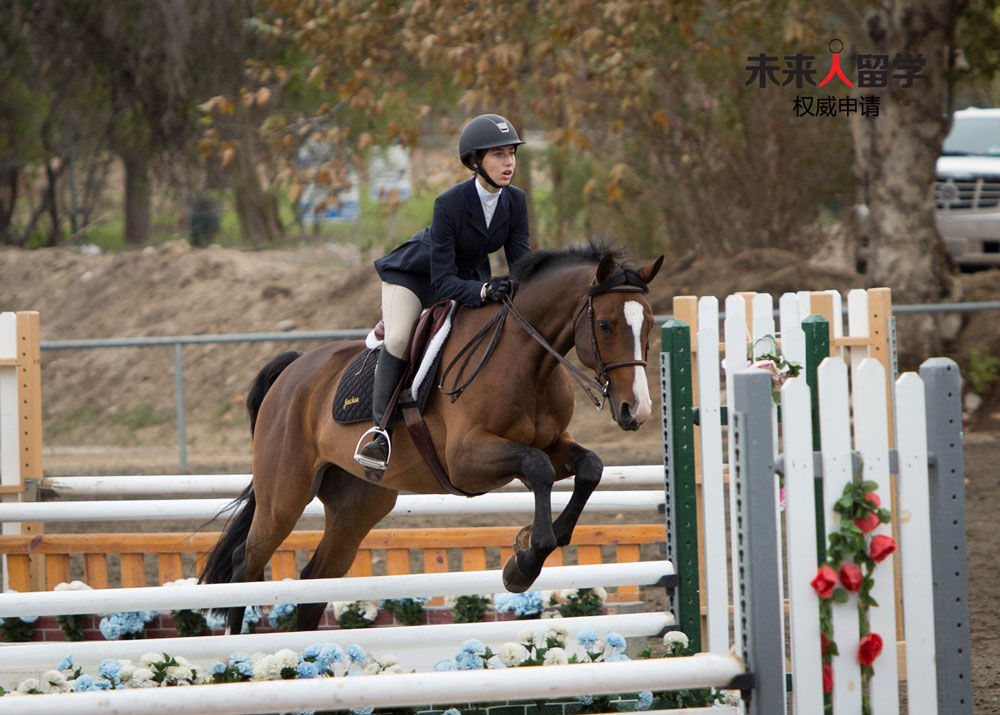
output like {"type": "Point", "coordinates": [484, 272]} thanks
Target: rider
{"type": "Point", "coordinates": [450, 258]}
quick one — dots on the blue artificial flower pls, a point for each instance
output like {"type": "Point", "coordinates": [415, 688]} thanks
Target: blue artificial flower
{"type": "Point", "coordinates": [28, 619]}
{"type": "Point", "coordinates": [110, 669]}
{"type": "Point", "coordinates": [244, 668]}
{"type": "Point", "coordinates": [362, 711]}
{"type": "Point", "coordinates": [616, 658]}
{"type": "Point", "coordinates": [452, 711]}
{"type": "Point", "coordinates": [217, 668]}
{"type": "Point", "coordinates": [239, 657]}
{"type": "Point", "coordinates": [110, 628]}
{"type": "Point", "coordinates": [644, 700]}
{"type": "Point", "coordinates": [445, 664]}
{"type": "Point", "coordinates": [215, 621]}
{"type": "Point", "coordinates": [312, 652]}
{"type": "Point", "coordinates": [357, 654]}
{"type": "Point", "coordinates": [66, 663]}
{"type": "Point", "coordinates": [585, 699]}
{"type": "Point", "coordinates": [616, 642]}
{"type": "Point", "coordinates": [102, 684]}
{"type": "Point", "coordinates": [330, 653]}
{"type": "Point", "coordinates": [307, 670]}
{"type": "Point", "coordinates": [587, 638]}
{"type": "Point", "coordinates": [84, 683]}
{"type": "Point", "coordinates": [522, 605]}
{"type": "Point", "coordinates": [473, 646]}
{"type": "Point", "coordinates": [469, 661]}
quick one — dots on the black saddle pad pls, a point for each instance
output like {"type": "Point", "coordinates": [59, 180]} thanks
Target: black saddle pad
{"type": "Point", "coordinates": [353, 401]}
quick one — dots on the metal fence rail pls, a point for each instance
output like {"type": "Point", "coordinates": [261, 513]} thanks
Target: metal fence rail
{"type": "Point", "coordinates": [178, 341]}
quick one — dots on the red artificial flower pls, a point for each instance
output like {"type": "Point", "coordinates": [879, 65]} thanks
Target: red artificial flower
{"type": "Point", "coordinates": [867, 523]}
{"type": "Point", "coordinates": [850, 576]}
{"type": "Point", "coordinates": [825, 580]}
{"type": "Point", "coordinates": [824, 643]}
{"type": "Point", "coordinates": [869, 649]}
{"type": "Point", "coordinates": [881, 547]}
{"type": "Point", "coordinates": [827, 677]}
{"type": "Point", "coordinates": [873, 499]}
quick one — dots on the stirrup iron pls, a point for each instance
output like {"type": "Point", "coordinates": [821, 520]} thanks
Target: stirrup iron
{"type": "Point", "coordinates": [368, 462]}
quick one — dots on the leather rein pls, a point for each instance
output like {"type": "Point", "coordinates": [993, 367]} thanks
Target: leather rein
{"type": "Point", "coordinates": [596, 390]}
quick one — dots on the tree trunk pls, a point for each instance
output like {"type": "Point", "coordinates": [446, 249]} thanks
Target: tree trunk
{"type": "Point", "coordinates": [256, 208]}
{"type": "Point", "coordinates": [9, 177]}
{"type": "Point", "coordinates": [896, 154]}
{"type": "Point", "coordinates": [52, 177]}
{"type": "Point", "coordinates": [137, 198]}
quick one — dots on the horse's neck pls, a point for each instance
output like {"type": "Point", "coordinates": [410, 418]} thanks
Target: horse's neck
{"type": "Point", "coordinates": [551, 307]}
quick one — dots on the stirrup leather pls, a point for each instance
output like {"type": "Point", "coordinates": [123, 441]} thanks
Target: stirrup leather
{"type": "Point", "coordinates": [368, 462]}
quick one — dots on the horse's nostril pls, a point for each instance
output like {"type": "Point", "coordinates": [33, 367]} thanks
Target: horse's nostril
{"type": "Point", "coordinates": [625, 411]}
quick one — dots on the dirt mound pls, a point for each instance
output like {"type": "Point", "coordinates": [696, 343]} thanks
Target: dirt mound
{"type": "Point", "coordinates": [124, 396]}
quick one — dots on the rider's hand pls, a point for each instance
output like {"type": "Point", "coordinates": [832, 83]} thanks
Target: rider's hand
{"type": "Point", "coordinates": [497, 288]}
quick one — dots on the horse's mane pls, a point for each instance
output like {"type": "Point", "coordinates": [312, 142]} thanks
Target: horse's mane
{"type": "Point", "coordinates": [542, 261]}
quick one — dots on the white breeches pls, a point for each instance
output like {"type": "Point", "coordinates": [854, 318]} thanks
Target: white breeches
{"type": "Point", "coordinates": [400, 309]}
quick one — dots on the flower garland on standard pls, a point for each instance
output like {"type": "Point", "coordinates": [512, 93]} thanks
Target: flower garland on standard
{"type": "Point", "coordinates": [852, 555]}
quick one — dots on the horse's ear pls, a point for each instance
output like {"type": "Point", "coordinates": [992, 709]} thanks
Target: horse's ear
{"type": "Point", "coordinates": [606, 268]}
{"type": "Point", "coordinates": [649, 271]}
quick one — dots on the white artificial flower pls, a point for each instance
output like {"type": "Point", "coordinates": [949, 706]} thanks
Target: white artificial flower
{"type": "Point", "coordinates": [264, 669]}
{"type": "Point", "coordinates": [257, 656]}
{"type": "Point", "coordinates": [731, 698]}
{"type": "Point", "coordinates": [142, 678]}
{"type": "Point", "coordinates": [551, 613]}
{"type": "Point", "coordinates": [675, 640]}
{"type": "Point", "coordinates": [28, 685]}
{"type": "Point", "coordinates": [450, 602]}
{"type": "Point", "coordinates": [149, 658]}
{"type": "Point", "coordinates": [127, 671]}
{"type": "Point", "coordinates": [560, 633]}
{"type": "Point", "coordinates": [53, 681]}
{"type": "Point", "coordinates": [339, 607]}
{"type": "Point", "coordinates": [568, 593]}
{"type": "Point", "coordinates": [373, 668]}
{"type": "Point", "coordinates": [601, 593]}
{"type": "Point", "coordinates": [528, 637]}
{"type": "Point", "coordinates": [393, 669]}
{"type": "Point", "coordinates": [512, 654]}
{"type": "Point", "coordinates": [72, 586]}
{"type": "Point", "coordinates": [183, 582]}
{"type": "Point", "coordinates": [555, 656]}
{"type": "Point", "coordinates": [287, 658]}
{"type": "Point", "coordinates": [548, 597]}
{"type": "Point", "coordinates": [179, 673]}
{"type": "Point", "coordinates": [387, 661]}
{"type": "Point", "coordinates": [369, 610]}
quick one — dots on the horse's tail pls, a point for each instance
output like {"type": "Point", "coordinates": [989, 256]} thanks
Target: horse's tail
{"type": "Point", "coordinates": [226, 560]}
{"type": "Point", "coordinates": [265, 378]}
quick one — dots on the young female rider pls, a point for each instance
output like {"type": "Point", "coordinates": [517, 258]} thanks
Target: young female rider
{"type": "Point", "coordinates": [450, 258]}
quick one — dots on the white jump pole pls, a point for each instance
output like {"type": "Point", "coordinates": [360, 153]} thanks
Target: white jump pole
{"type": "Point", "coordinates": [230, 485]}
{"type": "Point", "coordinates": [23, 657]}
{"type": "Point", "coordinates": [529, 683]}
{"type": "Point", "coordinates": [422, 504]}
{"type": "Point", "coordinates": [218, 595]}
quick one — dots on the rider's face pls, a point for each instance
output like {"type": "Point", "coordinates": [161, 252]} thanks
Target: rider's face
{"type": "Point", "coordinates": [499, 164]}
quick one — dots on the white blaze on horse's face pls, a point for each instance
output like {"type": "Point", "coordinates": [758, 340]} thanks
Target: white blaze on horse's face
{"type": "Point", "coordinates": [634, 315]}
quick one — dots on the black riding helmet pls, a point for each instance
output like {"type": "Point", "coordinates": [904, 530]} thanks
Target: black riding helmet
{"type": "Point", "coordinates": [487, 131]}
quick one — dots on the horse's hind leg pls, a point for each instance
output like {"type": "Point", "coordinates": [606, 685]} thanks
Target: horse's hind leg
{"type": "Point", "coordinates": [352, 508]}
{"type": "Point", "coordinates": [273, 520]}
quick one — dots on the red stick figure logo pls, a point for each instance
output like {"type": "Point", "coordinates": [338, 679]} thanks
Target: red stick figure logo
{"type": "Point", "coordinates": [835, 66]}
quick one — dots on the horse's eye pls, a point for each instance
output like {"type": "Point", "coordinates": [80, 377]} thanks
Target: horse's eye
{"type": "Point", "coordinates": [604, 325]}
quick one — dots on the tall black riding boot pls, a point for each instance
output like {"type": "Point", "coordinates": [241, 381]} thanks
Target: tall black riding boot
{"type": "Point", "coordinates": [388, 372]}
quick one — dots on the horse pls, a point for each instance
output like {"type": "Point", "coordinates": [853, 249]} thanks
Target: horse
{"type": "Point", "coordinates": [510, 422]}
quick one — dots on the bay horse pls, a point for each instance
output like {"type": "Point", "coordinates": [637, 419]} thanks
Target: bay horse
{"type": "Point", "coordinates": [510, 423]}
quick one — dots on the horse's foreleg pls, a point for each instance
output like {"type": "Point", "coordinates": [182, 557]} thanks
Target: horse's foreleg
{"type": "Point", "coordinates": [570, 458]}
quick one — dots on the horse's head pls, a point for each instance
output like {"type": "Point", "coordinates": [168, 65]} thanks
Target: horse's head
{"type": "Point", "coordinates": [612, 337]}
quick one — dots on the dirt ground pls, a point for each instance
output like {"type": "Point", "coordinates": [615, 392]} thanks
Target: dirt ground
{"type": "Point", "coordinates": [111, 411]}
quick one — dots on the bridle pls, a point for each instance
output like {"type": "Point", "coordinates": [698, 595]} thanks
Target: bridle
{"type": "Point", "coordinates": [604, 368]}
{"type": "Point", "coordinates": [596, 390]}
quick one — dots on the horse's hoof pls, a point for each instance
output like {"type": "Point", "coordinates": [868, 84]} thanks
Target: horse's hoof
{"type": "Point", "coordinates": [522, 542]}
{"type": "Point", "coordinates": [514, 580]}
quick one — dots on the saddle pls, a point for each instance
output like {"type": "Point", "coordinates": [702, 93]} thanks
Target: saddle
{"type": "Point", "coordinates": [353, 400]}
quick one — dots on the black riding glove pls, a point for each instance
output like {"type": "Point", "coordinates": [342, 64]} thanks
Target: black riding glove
{"type": "Point", "coordinates": [497, 288]}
